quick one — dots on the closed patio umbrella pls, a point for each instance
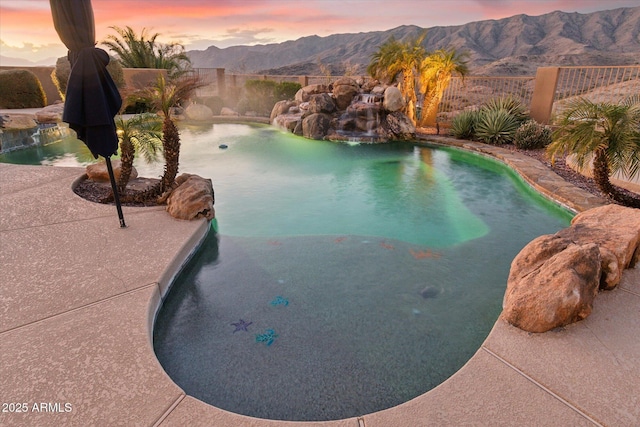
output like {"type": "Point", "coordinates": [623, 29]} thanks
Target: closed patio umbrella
{"type": "Point", "coordinates": [92, 99]}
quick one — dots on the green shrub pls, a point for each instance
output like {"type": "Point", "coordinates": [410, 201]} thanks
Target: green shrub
{"type": "Point", "coordinates": [21, 89]}
{"type": "Point", "coordinates": [285, 91]}
{"type": "Point", "coordinates": [496, 127]}
{"type": "Point", "coordinates": [531, 135]}
{"type": "Point", "coordinates": [60, 74]}
{"type": "Point", "coordinates": [464, 124]}
{"type": "Point", "coordinates": [259, 96]}
{"type": "Point", "coordinates": [508, 103]}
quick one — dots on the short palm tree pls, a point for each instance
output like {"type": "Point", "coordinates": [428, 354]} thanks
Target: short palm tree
{"type": "Point", "coordinates": [164, 96]}
{"type": "Point", "coordinates": [608, 134]}
{"type": "Point", "coordinates": [141, 133]}
{"type": "Point", "coordinates": [436, 72]}
{"type": "Point", "coordinates": [400, 61]}
{"type": "Point", "coordinates": [143, 51]}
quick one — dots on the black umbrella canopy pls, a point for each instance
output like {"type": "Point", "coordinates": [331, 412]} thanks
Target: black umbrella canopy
{"type": "Point", "coordinates": [92, 99]}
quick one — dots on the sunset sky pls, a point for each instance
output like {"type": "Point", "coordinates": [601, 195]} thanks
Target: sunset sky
{"type": "Point", "coordinates": [26, 27]}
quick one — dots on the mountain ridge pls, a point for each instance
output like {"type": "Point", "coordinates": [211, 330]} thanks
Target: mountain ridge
{"type": "Point", "coordinates": [516, 45]}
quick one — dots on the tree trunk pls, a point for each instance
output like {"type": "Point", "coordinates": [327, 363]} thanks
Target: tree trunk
{"type": "Point", "coordinates": [601, 178]}
{"type": "Point", "coordinates": [171, 143]}
{"type": "Point", "coordinates": [127, 154]}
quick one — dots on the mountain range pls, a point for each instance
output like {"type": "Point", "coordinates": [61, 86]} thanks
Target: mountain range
{"type": "Point", "coordinates": [511, 46]}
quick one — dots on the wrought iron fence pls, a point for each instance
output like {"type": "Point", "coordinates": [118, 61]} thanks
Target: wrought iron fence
{"type": "Point", "coordinates": [598, 84]}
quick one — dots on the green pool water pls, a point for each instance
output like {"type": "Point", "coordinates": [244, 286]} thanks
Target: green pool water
{"type": "Point", "coordinates": [338, 279]}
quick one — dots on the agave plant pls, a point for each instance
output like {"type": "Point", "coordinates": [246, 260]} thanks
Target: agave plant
{"type": "Point", "coordinates": [463, 125]}
{"type": "Point", "coordinates": [509, 104]}
{"type": "Point", "coordinates": [496, 127]}
{"type": "Point", "coordinates": [607, 134]}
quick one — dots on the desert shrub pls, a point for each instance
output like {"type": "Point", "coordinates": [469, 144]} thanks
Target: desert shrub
{"type": "Point", "coordinates": [21, 89]}
{"type": "Point", "coordinates": [531, 135]}
{"type": "Point", "coordinates": [259, 96]}
{"type": "Point", "coordinates": [60, 74]}
{"type": "Point", "coordinates": [285, 91]}
{"type": "Point", "coordinates": [496, 127]}
{"type": "Point", "coordinates": [508, 103]}
{"type": "Point", "coordinates": [464, 124]}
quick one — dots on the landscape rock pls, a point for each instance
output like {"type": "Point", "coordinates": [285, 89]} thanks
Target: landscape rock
{"type": "Point", "coordinates": [552, 283]}
{"type": "Point", "coordinates": [50, 114]}
{"type": "Point", "coordinates": [18, 121]}
{"type": "Point", "coordinates": [226, 111]}
{"type": "Point", "coordinates": [399, 126]}
{"type": "Point", "coordinates": [315, 126]}
{"type": "Point", "coordinates": [321, 103]}
{"type": "Point", "coordinates": [344, 94]}
{"type": "Point", "coordinates": [198, 112]}
{"type": "Point", "coordinates": [192, 199]}
{"type": "Point", "coordinates": [281, 107]}
{"type": "Point", "coordinates": [393, 100]}
{"type": "Point", "coordinates": [98, 171]}
{"type": "Point", "coordinates": [305, 93]}
{"type": "Point", "coordinates": [553, 280]}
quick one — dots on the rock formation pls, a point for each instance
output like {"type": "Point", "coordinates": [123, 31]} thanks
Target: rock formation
{"type": "Point", "coordinates": [345, 110]}
{"type": "Point", "coordinates": [192, 199]}
{"type": "Point", "coordinates": [98, 171]}
{"type": "Point", "coordinates": [555, 278]}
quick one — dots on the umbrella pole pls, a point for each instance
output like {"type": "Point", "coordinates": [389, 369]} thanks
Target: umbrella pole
{"type": "Point", "coordinates": [114, 187]}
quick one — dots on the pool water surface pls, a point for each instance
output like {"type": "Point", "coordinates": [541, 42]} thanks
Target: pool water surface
{"type": "Point", "coordinates": [338, 279]}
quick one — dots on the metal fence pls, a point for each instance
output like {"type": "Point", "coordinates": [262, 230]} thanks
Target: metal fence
{"type": "Point", "coordinates": [598, 84]}
{"type": "Point", "coordinates": [472, 91]}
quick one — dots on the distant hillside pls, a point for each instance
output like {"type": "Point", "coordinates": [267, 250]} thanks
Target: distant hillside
{"type": "Point", "coordinates": [510, 46]}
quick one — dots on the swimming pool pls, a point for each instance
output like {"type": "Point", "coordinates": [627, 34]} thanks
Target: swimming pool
{"type": "Point", "coordinates": [342, 279]}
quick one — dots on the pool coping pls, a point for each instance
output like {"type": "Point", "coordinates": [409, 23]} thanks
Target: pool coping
{"type": "Point", "coordinates": [78, 332]}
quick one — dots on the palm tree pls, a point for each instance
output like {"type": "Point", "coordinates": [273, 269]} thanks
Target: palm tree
{"type": "Point", "coordinates": [396, 60]}
{"type": "Point", "coordinates": [608, 134]}
{"type": "Point", "coordinates": [436, 72]}
{"type": "Point", "coordinates": [164, 96]}
{"type": "Point", "coordinates": [144, 51]}
{"type": "Point", "coordinates": [142, 133]}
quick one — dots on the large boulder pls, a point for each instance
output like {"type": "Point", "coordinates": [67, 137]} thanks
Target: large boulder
{"type": "Point", "coordinates": [393, 100]}
{"type": "Point", "coordinates": [552, 283]}
{"type": "Point", "coordinates": [612, 227]}
{"type": "Point", "coordinates": [321, 103]}
{"type": "Point", "coordinates": [316, 126]}
{"type": "Point", "coordinates": [51, 113]}
{"type": "Point", "coordinates": [98, 171]}
{"type": "Point", "coordinates": [198, 113]}
{"type": "Point", "coordinates": [399, 126]}
{"type": "Point", "coordinates": [554, 278]}
{"type": "Point", "coordinates": [18, 121]}
{"type": "Point", "coordinates": [305, 93]}
{"type": "Point", "coordinates": [192, 199]}
{"type": "Point", "coordinates": [281, 107]}
{"type": "Point", "coordinates": [344, 94]}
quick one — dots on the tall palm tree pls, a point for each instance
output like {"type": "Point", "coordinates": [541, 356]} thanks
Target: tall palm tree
{"type": "Point", "coordinates": [142, 133]}
{"type": "Point", "coordinates": [608, 134]}
{"type": "Point", "coordinates": [436, 72]}
{"type": "Point", "coordinates": [400, 61]}
{"type": "Point", "coordinates": [164, 96]}
{"type": "Point", "coordinates": [143, 51]}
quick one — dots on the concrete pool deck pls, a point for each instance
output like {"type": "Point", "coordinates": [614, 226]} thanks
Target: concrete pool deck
{"type": "Point", "coordinates": [79, 296]}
